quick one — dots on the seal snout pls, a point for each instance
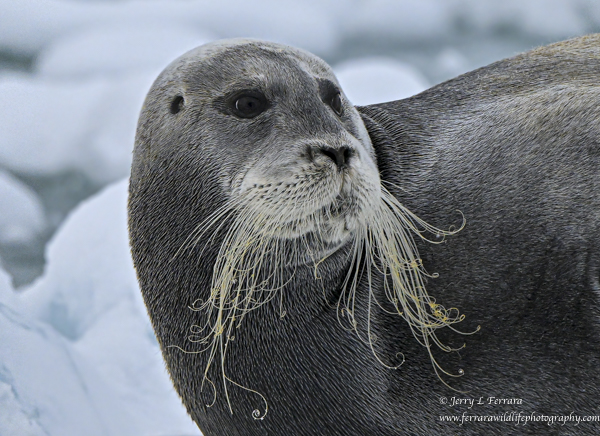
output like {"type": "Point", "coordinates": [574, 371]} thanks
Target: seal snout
{"type": "Point", "coordinates": [340, 156]}
{"type": "Point", "coordinates": [323, 153]}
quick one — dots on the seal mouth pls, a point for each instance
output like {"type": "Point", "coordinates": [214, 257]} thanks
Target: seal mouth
{"type": "Point", "coordinates": [326, 229]}
{"type": "Point", "coordinates": [341, 205]}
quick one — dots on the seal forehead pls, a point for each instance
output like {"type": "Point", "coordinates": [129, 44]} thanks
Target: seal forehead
{"type": "Point", "coordinates": [243, 58]}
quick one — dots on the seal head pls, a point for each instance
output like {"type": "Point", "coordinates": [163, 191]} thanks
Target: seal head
{"type": "Point", "coordinates": [303, 156]}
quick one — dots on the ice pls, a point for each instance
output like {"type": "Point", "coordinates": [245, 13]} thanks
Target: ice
{"type": "Point", "coordinates": [546, 18]}
{"type": "Point", "coordinates": [37, 374]}
{"type": "Point", "coordinates": [118, 49]}
{"type": "Point", "coordinates": [88, 126]}
{"type": "Point", "coordinates": [28, 26]}
{"type": "Point", "coordinates": [16, 418]}
{"type": "Point", "coordinates": [301, 24]}
{"type": "Point", "coordinates": [46, 122]}
{"type": "Point", "coordinates": [375, 80]}
{"type": "Point", "coordinates": [78, 352]}
{"type": "Point", "coordinates": [79, 114]}
{"type": "Point", "coordinates": [95, 61]}
{"type": "Point", "coordinates": [411, 20]}
{"type": "Point", "coordinates": [450, 62]}
{"type": "Point", "coordinates": [22, 220]}
{"type": "Point", "coordinates": [7, 293]}
{"type": "Point", "coordinates": [89, 266]}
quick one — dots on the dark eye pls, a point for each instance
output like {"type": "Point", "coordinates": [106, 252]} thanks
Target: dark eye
{"type": "Point", "coordinates": [336, 103]}
{"type": "Point", "coordinates": [331, 95]}
{"type": "Point", "coordinates": [176, 104]}
{"type": "Point", "coordinates": [249, 105]}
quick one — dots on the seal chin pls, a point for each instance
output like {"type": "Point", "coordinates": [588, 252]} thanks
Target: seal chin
{"type": "Point", "coordinates": [317, 249]}
{"type": "Point", "coordinates": [318, 236]}
{"type": "Point", "coordinates": [328, 230]}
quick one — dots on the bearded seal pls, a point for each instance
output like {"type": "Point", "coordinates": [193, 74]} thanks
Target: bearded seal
{"type": "Point", "coordinates": [281, 241]}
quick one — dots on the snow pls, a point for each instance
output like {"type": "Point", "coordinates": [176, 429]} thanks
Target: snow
{"type": "Point", "coordinates": [22, 219]}
{"type": "Point", "coordinates": [113, 49]}
{"type": "Point", "coordinates": [414, 20]}
{"type": "Point", "coordinates": [51, 127]}
{"type": "Point", "coordinates": [78, 352]}
{"type": "Point", "coordinates": [29, 25]}
{"type": "Point", "coordinates": [451, 62]}
{"type": "Point", "coordinates": [547, 18]}
{"type": "Point", "coordinates": [376, 80]}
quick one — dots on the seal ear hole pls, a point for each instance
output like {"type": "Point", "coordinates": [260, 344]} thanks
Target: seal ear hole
{"type": "Point", "coordinates": [177, 104]}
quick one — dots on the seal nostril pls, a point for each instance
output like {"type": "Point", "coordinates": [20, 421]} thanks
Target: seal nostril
{"type": "Point", "coordinates": [332, 154]}
{"type": "Point", "coordinates": [339, 156]}
{"type": "Point", "coordinates": [348, 152]}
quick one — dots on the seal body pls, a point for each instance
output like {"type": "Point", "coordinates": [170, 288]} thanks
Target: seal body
{"type": "Point", "coordinates": [514, 146]}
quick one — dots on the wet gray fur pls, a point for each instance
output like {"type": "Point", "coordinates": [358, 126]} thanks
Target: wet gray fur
{"type": "Point", "coordinates": [515, 146]}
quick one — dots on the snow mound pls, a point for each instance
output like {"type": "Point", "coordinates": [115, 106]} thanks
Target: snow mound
{"type": "Point", "coordinates": [51, 127]}
{"type": "Point", "coordinates": [22, 220]}
{"type": "Point", "coordinates": [28, 26]}
{"type": "Point", "coordinates": [376, 80]}
{"type": "Point", "coordinates": [553, 19]}
{"type": "Point", "coordinates": [78, 355]}
{"type": "Point", "coordinates": [408, 20]}
{"type": "Point", "coordinates": [118, 49]}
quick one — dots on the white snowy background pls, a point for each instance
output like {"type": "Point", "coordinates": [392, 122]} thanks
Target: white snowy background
{"type": "Point", "coordinates": [77, 353]}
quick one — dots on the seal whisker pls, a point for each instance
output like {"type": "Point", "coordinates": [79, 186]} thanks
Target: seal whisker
{"type": "Point", "coordinates": [391, 251]}
{"type": "Point", "coordinates": [220, 216]}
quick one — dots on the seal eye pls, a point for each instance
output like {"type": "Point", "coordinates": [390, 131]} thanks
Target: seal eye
{"type": "Point", "coordinates": [249, 105]}
{"type": "Point", "coordinates": [176, 104]}
{"type": "Point", "coordinates": [336, 103]}
{"type": "Point", "coordinates": [331, 96]}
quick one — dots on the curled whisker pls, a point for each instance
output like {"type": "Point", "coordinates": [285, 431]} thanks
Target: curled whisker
{"type": "Point", "coordinates": [264, 238]}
